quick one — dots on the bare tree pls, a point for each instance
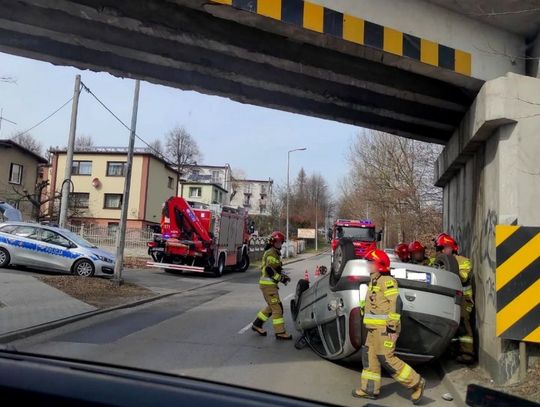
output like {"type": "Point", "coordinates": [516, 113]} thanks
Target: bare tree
{"type": "Point", "coordinates": [237, 175]}
{"type": "Point", "coordinates": [84, 141]}
{"type": "Point", "coordinates": [156, 147]}
{"type": "Point", "coordinates": [8, 79]}
{"type": "Point", "coordinates": [182, 149]}
{"type": "Point", "coordinates": [390, 180]}
{"type": "Point", "coordinates": [28, 141]}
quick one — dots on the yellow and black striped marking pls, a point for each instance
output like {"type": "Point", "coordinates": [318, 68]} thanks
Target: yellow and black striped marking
{"type": "Point", "coordinates": [317, 18]}
{"type": "Point", "coordinates": [517, 282]}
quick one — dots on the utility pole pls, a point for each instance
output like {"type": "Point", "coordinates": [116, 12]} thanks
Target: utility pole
{"type": "Point", "coordinates": [316, 219]}
{"type": "Point", "coordinates": [288, 192]}
{"type": "Point", "coordinates": [64, 201]}
{"type": "Point", "coordinates": [121, 233]}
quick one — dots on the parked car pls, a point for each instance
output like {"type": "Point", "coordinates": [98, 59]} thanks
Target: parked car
{"type": "Point", "coordinates": [328, 314]}
{"type": "Point", "coordinates": [51, 248]}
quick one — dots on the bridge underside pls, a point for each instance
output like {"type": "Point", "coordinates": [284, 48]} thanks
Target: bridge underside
{"type": "Point", "coordinates": [214, 49]}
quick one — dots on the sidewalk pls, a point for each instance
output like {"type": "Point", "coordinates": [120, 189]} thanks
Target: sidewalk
{"type": "Point", "coordinates": [26, 302]}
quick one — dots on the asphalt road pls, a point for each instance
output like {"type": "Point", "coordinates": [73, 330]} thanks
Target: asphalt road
{"type": "Point", "coordinates": [204, 332]}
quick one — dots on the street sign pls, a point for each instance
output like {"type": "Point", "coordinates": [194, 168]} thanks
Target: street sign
{"type": "Point", "coordinates": [306, 233]}
{"type": "Point", "coordinates": [517, 282]}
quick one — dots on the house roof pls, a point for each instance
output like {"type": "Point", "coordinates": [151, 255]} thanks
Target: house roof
{"type": "Point", "coordinates": [12, 144]}
{"type": "Point", "coordinates": [262, 181]}
{"type": "Point", "coordinates": [222, 167]}
{"type": "Point", "coordinates": [114, 151]}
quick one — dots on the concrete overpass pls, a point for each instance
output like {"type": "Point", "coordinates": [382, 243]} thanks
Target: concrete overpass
{"type": "Point", "coordinates": [449, 72]}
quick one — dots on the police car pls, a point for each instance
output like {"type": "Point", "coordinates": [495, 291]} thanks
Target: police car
{"type": "Point", "coordinates": [51, 248]}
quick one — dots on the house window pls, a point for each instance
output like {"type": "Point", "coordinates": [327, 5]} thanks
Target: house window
{"type": "Point", "coordinates": [216, 196]}
{"type": "Point", "coordinates": [195, 192]}
{"type": "Point", "coordinates": [263, 189]}
{"type": "Point", "coordinates": [262, 208]}
{"type": "Point", "coordinates": [82, 168]}
{"type": "Point", "coordinates": [170, 181]}
{"type": "Point", "coordinates": [15, 174]}
{"type": "Point", "coordinates": [215, 177]}
{"type": "Point", "coordinates": [116, 168]}
{"type": "Point", "coordinates": [79, 199]}
{"type": "Point", "coordinates": [113, 201]}
{"type": "Point", "coordinates": [247, 199]}
{"type": "Point", "coordinates": [247, 188]}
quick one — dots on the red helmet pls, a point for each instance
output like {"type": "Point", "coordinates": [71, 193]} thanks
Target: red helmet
{"type": "Point", "coordinates": [444, 239]}
{"type": "Point", "coordinates": [381, 260]}
{"type": "Point", "coordinates": [416, 246]}
{"type": "Point", "coordinates": [277, 236]}
{"type": "Point", "coordinates": [402, 251]}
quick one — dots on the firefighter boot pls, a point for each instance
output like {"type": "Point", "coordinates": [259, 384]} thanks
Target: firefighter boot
{"type": "Point", "coordinates": [418, 391]}
{"type": "Point", "coordinates": [284, 336]}
{"type": "Point", "coordinates": [361, 394]}
{"type": "Point", "coordinates": [257, 326]}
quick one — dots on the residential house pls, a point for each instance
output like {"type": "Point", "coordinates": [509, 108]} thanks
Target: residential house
{"type": "Point", "coordinates": [207, 174]}
{"type": "Point", "coordinates": [253, 195]}
{"type": "Point", "coordinates": [98, 185]}
{"type": "Point", "coordinates": [20, 172]}
{"type": "Point", "coordinates": [202, 193]}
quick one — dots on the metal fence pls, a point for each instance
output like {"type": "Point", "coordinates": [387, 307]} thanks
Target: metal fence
{"type": "Point", "coordinates": [106, 237]}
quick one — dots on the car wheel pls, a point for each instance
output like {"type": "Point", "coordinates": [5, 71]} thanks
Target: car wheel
{"type": "Point", "coordinates": [218, 272]}
{"type": "Point", "coordinates": [4, 257]}
{"type": "Point", "coordinates": [244, 262]}
{"type": "Point", "coordinates": [301, 286]}
{"type": "Point", "coordinates": [446, 262]}
{"type": "Point", "coordinates": [84, 268]}
{"type": "Point", "coordinates": [343, 253]}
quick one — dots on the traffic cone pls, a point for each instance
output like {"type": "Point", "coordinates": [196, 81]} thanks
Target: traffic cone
{"type": "Point", "coordinates": [306, 276]}
{"type": "Point", "coordinates": [317, 272]}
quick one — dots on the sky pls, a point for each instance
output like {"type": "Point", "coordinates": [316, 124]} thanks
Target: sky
{"type": "Point", "coordinates": [248, 137]}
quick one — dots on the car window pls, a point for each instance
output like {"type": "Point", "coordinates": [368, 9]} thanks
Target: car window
{"type": "Point", "coordinates": [29, 232]}
{"type": "Point", "coordinates": [48, 236]}
{"type": "Point", "coordinates": [8, 228]}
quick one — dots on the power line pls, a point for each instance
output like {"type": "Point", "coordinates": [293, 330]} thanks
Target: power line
{"type": "Point", "coordinates": [47, 118]}
{"type": "Point", "coordinates": [156, 152]}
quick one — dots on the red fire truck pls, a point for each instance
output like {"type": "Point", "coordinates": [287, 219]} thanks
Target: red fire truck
{"type": "Point", "coordinates": [200, 240]}
{"type": "Point", "coordinates": [361, 232]}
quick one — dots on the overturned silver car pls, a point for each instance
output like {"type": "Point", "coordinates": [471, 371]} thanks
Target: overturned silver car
{"type": "Point", "coordinates": [328, 313]}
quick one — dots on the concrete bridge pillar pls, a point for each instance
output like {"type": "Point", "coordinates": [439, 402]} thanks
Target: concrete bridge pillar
{"type": "Point", "coordinates": [490, 172]}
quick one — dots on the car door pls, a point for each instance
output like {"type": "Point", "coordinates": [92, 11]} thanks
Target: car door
{"type": "Point", "coordinates": [24, 245]}
{"type": "Point", "coordinates": [54, 250]}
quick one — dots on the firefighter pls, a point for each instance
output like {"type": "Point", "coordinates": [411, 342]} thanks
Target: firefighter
{"type": "Point", "coordinates": [382, 321]}
{"type": "Point", "coordinates": [418, 253]}
{"type": "Point", "coordinates": [444, 243]}
{"type": "Point", "coordinates": [402, 251]}
{"type": "Point", "coordinates": [271, 275]}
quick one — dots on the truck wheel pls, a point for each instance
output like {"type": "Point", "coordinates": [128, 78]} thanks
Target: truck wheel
{"type": "Point", "coordinates": [244, 263]}
{"type": "Point", "coordinates": [218, 272]}
{"type": "Point", "coordinates": [344, 252]}
{"type": "Point", "coordinates": [446, 262]}
{"type": "Point", "coordinates": [301, 286]}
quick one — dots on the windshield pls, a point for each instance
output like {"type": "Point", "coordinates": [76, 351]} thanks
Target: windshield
{"type": "Point", "coordinates": [364, 234]}
{"type": "Point", "coordinates": [79, 241]}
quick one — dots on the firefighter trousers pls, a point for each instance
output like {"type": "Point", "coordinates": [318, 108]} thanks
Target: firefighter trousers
{"type": "Point", "coordinates": [273, 309]}
{"type": "Point", "coordinates": [465, 331]}
{"type": "Point", "coordinates": [379, 350]}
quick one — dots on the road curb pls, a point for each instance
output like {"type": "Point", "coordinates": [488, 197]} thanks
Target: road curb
{"type": "Point", "coordinates": [47, 326]}
{"type": "Point", "coordinates": [441, 371]}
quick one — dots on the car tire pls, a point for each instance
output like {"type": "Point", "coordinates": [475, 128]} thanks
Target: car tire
{"type": "Point", "coordinates": [244, 263]}
{"type": "Point", "coordinates": [301, 286]}
{"type": "Point", "coordinates": [218, 272]}
{"type": "Point", "coordinates": [5, 258]}
{"type": "Point", "coordinates": [343, 253]}
{"type": "Point", "coordinates": [446, 262]}
{"type": "Point", "coordinates": [84, 268]}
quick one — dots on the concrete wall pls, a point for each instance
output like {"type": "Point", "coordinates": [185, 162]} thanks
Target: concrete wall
{"type": "Point", "coordinates": [490, 173]}
{"type": "Point", "coordinates": [485, 42]}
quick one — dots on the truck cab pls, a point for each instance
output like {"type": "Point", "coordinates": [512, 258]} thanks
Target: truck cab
{"type": "Point", "coordinates": [362, 233]}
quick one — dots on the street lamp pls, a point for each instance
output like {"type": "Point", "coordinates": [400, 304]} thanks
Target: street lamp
{"type": "Point", "coordinates": [288, 192]}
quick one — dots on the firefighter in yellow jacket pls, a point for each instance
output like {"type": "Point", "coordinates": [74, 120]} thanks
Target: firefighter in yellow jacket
{"type": "Point", "coordinates": [446, 244]}
{"type": "Point", "coordinates": [382, 321]}
{"type": "Point", "coordinates": [271, 275]}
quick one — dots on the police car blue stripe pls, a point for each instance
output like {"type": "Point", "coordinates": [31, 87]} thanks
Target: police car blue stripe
{"type": "Point", "coordinates": [39, 248]}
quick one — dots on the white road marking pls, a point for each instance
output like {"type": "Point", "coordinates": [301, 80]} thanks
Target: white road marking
{"type": "Point", "coordinates": [248, 326]}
